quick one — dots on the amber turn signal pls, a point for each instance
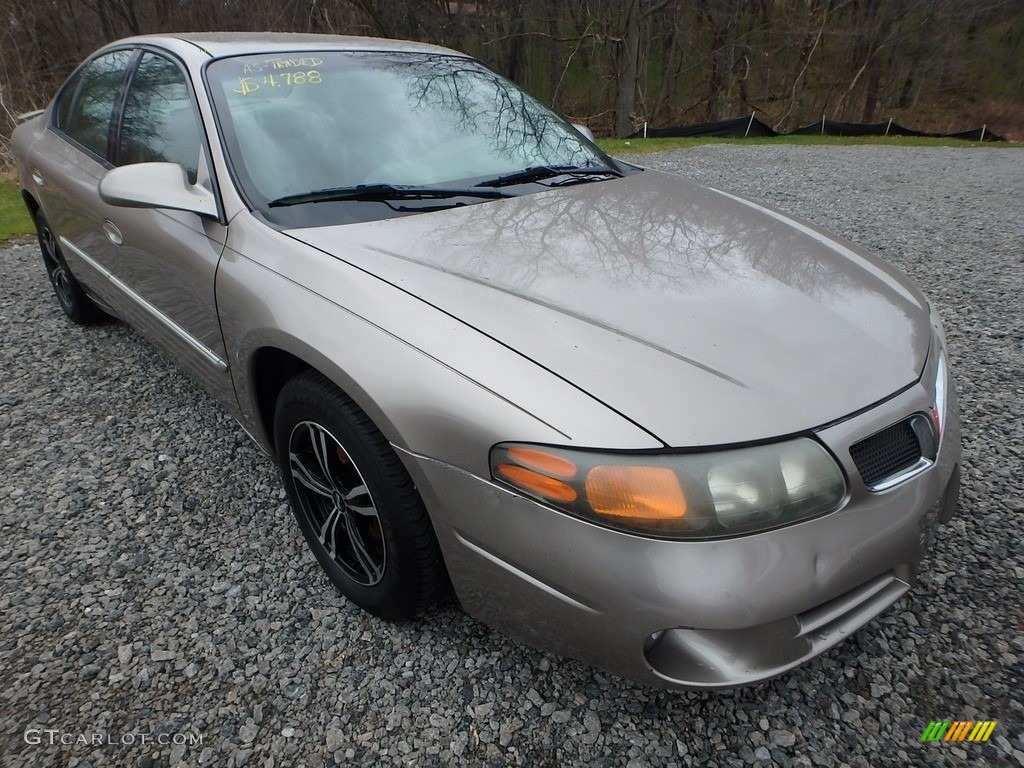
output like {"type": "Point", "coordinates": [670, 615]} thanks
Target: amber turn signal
{"type": "Point", "coordinates": [543, 462]}
{"type": "Point", "coordinates": [542, 485]}
{"type": "Point", "coordinates": [638, 493]}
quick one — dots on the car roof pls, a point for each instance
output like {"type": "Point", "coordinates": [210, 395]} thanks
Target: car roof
{"type": "Point", "coordinates": [223, 44]}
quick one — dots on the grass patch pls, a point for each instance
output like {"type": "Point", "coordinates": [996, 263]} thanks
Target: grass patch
{"type": "Point", "coordinates": [14, 219]}
{"type": "Point", "coordinates": [644, 146]}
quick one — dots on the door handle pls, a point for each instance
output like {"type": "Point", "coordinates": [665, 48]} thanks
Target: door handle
{"type": "Point", "coordinates": [37, 177]}
{"type": "Point", "coordinates": [112, 232]}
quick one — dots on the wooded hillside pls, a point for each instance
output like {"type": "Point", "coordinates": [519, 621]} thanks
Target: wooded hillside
{"type": "Point", "coordinates": [932, 64]}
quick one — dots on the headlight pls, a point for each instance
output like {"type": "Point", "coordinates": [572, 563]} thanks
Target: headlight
{"type": "Point", "coordinates": [939, 409]}
{"type": "Point", "coordinates": [941, 373]}
{"type": "Point", "coordinates": [708, 495]}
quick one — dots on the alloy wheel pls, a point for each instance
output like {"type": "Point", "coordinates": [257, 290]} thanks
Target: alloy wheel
{"type": "Point", "coordinates": [56, 267]}
{"type": "Point", "coordinates": [334, 498]}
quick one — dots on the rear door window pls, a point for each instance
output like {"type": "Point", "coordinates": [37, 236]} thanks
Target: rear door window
{"type": "Point", "coordinates": [87, 120]}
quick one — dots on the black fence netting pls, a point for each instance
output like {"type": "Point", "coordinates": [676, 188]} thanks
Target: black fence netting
{"type": "Point", "coordinates": [839, 128]}
{"type": "Point", "coordinates": [891, 128]}
{"type": "Point", "coordinates": [977, 134]}
{"type": "Point", "coordinates": [742, 127]}
{"type": "Point", "coordinates": [737, 128]}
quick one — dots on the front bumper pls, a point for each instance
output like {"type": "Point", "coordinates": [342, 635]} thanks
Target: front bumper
{"type": "Point", "coordinates": [706, 614]}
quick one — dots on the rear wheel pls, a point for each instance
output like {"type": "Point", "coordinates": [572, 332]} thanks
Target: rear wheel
{"type": "Point", "coordinates": [356, 505]}
{"type": "Point", "coordinates": [70, 295]}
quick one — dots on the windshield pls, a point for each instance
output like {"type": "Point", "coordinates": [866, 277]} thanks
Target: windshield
{"type": "Point", "coordinates": [296, 124]}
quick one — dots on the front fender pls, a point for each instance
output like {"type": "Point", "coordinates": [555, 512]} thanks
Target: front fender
{"type": "Point", "coordinates": [433, 385]}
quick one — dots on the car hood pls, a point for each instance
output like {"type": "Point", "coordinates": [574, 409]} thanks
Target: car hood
{"type": "Point", "coordinates": [702, 317]}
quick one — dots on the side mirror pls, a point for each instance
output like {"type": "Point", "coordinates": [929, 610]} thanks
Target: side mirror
{"type": "Point", "coordinates": [584, 130]}
{"type": "Point", "coordinates": [156, 185]}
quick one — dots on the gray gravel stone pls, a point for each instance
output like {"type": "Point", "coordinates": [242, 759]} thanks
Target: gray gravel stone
{"type": "Point", "coordinates": [152, 580]}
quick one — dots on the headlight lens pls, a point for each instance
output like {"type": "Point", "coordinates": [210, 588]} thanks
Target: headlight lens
{"type": "Point", "coordinates": [714, 494]}
{"type": "Point", "coordinates": [941, 374]}
{"type": "Point", "coordinates": [939, 409]}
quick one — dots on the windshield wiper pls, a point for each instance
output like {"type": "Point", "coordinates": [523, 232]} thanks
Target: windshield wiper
{"type": "Point", "coordinates": [540, 172]}
{"type": "Point", "coordinates": [381, 192]}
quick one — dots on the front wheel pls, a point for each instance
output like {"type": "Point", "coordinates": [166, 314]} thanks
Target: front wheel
{"type": "Point", "coordinates": [355, 503]}
{"type": "Point", "coordinates": [70, 295]}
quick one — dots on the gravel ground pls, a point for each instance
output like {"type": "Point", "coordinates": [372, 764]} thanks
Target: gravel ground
{"type": "Point", "coordinates": [153, 583]}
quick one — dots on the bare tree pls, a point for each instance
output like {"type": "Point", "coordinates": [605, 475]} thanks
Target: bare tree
{"type": "Point", "coordinates": [611, 62]}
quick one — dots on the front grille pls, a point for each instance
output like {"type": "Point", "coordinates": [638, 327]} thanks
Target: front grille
{"type": "Point", "coordinates": [886, 453]}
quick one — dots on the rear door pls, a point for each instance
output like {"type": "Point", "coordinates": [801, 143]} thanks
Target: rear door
{"type": "Point", "coordinates": [71, 157]}
{"type": "Point", "coordinates": [154, 267]}
{"type": "Point", "coordinates": [165, 260]}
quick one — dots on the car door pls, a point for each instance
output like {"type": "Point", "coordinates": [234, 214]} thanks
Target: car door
{"type": "Point", "coordinates": [164, 260]}
{"type": "Point", "coordinates": [71, 157]}
{"type": "Point", "coordinates": [154, 267]}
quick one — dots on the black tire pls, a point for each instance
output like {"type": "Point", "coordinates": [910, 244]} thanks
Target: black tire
{"type": "Point", "coordinates": [70, 295]}
{"type": "Point", "coordinates": [355, 503]}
